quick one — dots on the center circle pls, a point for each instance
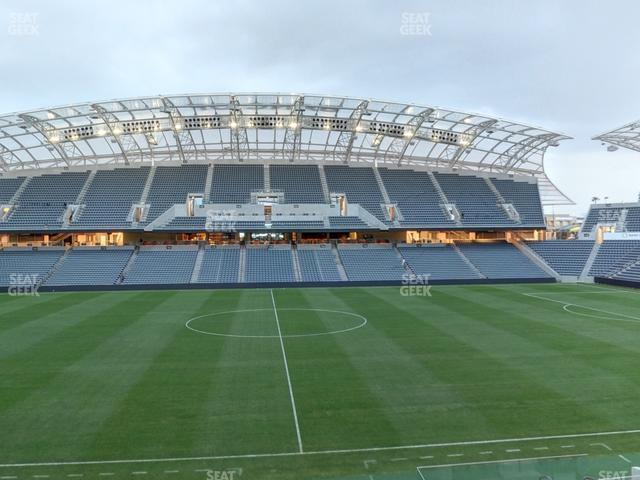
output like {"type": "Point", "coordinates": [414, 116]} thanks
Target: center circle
{"type": "Point", "coordinates": [357, 321]}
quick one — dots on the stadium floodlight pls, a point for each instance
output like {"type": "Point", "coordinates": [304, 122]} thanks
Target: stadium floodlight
{"type": "Point", "coordinates": [361, 131]}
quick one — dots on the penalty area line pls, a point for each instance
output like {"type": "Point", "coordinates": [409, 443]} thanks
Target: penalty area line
{"type": "Point", "coordinates": [319, 452]}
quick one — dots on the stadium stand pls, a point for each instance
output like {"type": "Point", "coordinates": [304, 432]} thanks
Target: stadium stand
{"type": "Point", "coordinates": [234, 183]}
{"type": "Point", "coordinates": [44, 201]}
{"type": "Point", "coordinates": [318, 264]}
{"type": "Point", "coordinates": [347, 223]}
{"type": "Point", "coordinates": [630, 273]}
{"type": "Point", "coordinates": [220, 265]}
{"type": "Point", "coordinates": [371, 262]}
{"type": "Point", "coordinates": [269, 264]}
{"type": "Point", "coordinates": [8, 188]}
{"type": "Point", "coordinates": [172, 185]}
{"type": "Point", "coordinates": [91, 266]}
{"type": "Point", "coordinates": [501, 261]}
{"type": "Point", "coordinates": [17, 264]}
{"type": "Point", "coordinates": [161, 266]}
{"type": "Point", "coordinates": [615, 255]}
{"type": "Point", "coordinates": [601, 215]}
{"type": "Point", "coordinates": [416, 197]}
{"type": "Point", "coordinates": [567, 257]}
{"type": "Point", "coordinates": [525, 197]}
{"type": "Point", "coordinates": [300, 183]}
{"type": "Point", "coordinates": [359, 185]}
{"type": "Point", "coordinates": [477, 204]}
{"type": "Point", "coordinates": [110, 196]}
{"type": "Point", "coordinates": [437, 261]}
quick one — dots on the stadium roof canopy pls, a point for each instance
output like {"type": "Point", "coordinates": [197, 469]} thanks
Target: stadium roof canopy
{"type": "Point", "coordinates": [272, 127]}
{"type": "Point", "coordinates": [627, 136]}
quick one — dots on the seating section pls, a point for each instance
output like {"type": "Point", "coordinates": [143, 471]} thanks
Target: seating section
{"type": "Point", "coordinates": [358, 184]}
{"type": "Point", "coordinates": [44, 201]}
{"type": "Point", "coordinates": [8, 188]}
{"type": "Point", "coordinates": [110, 197]}
{"type": "Point", "coordinates": [525, 197]}
{"type": "Point", "coordinates": [172, 185]}
{"type": "Point", "coordinates": [477, 204]}
{"type": "Point", "coordinates": [166, 266]}
{"type": "Point", "coordinates": [297, 225]}
{"type": "Point", "coordinates": [630, 273]}
{"type": "Point", "coordinates": [269, 264]}
{"type": "Point", "coordinates": [567, 257]}
{"type": "Point", "coordinates": [438, 262]}
{"type": "Point", "coordinates": [91, 267]}
{"type": "Point", "coordinates": [15, 265]}
{"type": "Point", "coordinates": [371, 263]}
{"type": "Point", "coordinates": [347, 223]}
{"type": "Point", "coordinates": [234, 183]}
{"type": "Point", "coordinates": [501, 261]}
{"type": "Point", "coordinates": [300, 183]}
{"type": "Point", "coordinates": [318, 265]}
{"type": "Point", "coordinates": [416, 197]}
{"type": "Point", "coordinates": [615, 255]}
{"type": "Point", "coordinates": [186, 223]}
{"type": "Point", "coordinates": [220, 265]}
{"type": "Point", "coordinates": [633, 219]}
{"type": "Point", "coordinates": [600, 215]}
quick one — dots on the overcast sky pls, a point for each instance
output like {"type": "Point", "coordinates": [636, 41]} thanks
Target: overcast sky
{"type": "Point", "coordinates": [570, 66]}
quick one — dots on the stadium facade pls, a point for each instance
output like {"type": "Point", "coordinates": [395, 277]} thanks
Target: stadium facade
{"type": "Point", "coordinates": [274, 188]}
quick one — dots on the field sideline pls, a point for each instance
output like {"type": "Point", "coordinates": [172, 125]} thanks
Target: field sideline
{"type": "Point", "coordinates": [312, 383]}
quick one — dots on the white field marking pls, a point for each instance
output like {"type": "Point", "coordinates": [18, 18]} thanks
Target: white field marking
{"type": "Point", "coordinates": [286, 369]}
{"type": "Point", "coordinates": [512, 450]}
{"type": "Point", "coordinates": [626, 318]}
{"type": "Point", "coordinates": [455, 455]}
{"type": "Point", "coordinates": [41, 476]}
{"type": "Point", "coordinates": [502, 461]}
{"type": "Point", "coordinates": [369, 462]}
{"type": "Point", "coordinates": [171, 471]}
{"type": "Point", "coordinates": [604, 445]}
{"type": "Point", "coordinates": [139, 473]}
{"type": "Point", "coordinates": [541, 448]}
{"type": "Point", "coordinates": [567, 446]}
{"type": "Point", "coordinates": [319, 452]}
{"type": "Point", "coordinates": [8, 477]}
{"type": "Point", "coordinates": [363, 322]}
{"type": "Point", "coordinates": [567, 308]}
{"type": "Point", "coordinates": [399, 459]}
{"type": "Point", "coordinates": [486, 452]}
{"type": "Point", "coordinates": [426, 457]}
{"type": "Point", "coordinates": [624, 458]}
{"type": "Point", "coordinates": [75, 475]}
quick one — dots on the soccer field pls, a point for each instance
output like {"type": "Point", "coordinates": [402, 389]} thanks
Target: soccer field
{"type": "Point", "coordinates": [361, 383]}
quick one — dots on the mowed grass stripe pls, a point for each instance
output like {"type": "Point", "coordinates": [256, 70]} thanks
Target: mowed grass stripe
{"type": "Point", "coordinates": [336, 404]}
{"type": "Point", "coordinates": [485, 328]}
{"type": "Point", "coordinates": [33, 363]}
{"type": "Point", "coordinates": [247, 408]}
{"type": "Point", "coordinates": [27, 310]}
{"type": "Point", "coordinates": [167, 399]}
{"type": "Point", "coordinates": [484, 400]}
{"type": "Point", "coordinates": [412, 395]}
{"type": "Point", "coordinates": [62, 418]}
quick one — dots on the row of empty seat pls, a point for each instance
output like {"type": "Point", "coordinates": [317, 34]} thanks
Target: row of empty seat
{"type": "Point", "coordinates": [109, 196]}
{"type": "Point", "coordinates": [262, 264]}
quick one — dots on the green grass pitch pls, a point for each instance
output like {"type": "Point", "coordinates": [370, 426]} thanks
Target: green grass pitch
{"type": "Point", "coordinates": [359, 383]}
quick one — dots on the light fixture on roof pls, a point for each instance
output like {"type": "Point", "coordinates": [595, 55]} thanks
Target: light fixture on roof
{"type": "Point", "coordinates": [612, 148]}
{"type": "Point", "coordinates": [233, 124]}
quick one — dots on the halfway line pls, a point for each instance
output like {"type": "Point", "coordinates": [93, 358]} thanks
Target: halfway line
{"type": "Point", "coordinates": [286, 369]}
